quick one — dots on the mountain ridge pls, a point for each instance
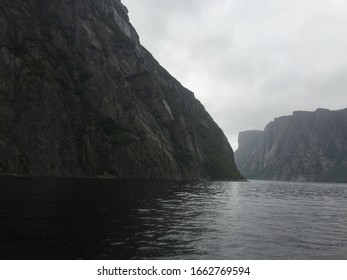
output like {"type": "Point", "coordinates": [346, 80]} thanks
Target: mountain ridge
{"type": "Point", "coordinates": [306, 146]}
{"type": "Point", "coordinates": [80, 97]}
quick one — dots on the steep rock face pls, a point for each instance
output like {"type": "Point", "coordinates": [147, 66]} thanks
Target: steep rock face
{"type": "Point", "coordinates": [79, 96]}
{"type": "Point", "coordinates": [307, 146]}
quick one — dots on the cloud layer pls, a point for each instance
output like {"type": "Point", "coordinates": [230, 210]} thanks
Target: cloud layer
{"type": "Point", "coordinates": [249, 61]}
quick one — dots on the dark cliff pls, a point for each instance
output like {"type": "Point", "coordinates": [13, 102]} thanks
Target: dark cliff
{"type": "Point", "coordinates": [307, 146]}
{"type": "Point", "coordinates": [79, 96]}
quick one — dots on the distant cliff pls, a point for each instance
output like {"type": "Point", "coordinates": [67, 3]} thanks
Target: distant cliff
{"type": "Point", "coordinates": [307, 146]}
{"type": "Point", "coordinates": [79, 96]}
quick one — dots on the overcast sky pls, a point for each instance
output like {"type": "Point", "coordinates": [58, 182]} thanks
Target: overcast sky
{"type": "Point", "coordinates": [249, 61]}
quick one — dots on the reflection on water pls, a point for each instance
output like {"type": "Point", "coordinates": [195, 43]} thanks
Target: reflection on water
{"type": "Point", "coordinates": [104, 219]}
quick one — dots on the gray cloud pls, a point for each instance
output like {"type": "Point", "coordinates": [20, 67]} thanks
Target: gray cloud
{"type": "Point", "coordinates": [249, 61]}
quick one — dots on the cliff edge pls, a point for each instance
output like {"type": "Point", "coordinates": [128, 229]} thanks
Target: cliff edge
{"type": "Point", "coordinates": [307, 146]}
{"type": "Point", "coordinates": [80, 96]}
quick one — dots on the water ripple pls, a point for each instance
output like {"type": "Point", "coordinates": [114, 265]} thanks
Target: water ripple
{"type": "Point", "coordinates": [220, 220]}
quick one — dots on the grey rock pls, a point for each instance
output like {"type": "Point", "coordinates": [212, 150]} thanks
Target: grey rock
{"type": "Point", "coordinates": [307, 146]}
{"type": "Point", "coordinates": [80, 96]}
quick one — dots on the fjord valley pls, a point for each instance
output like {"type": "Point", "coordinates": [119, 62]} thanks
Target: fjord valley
{"type": "Point", "coordinates": [306, 146]}
{"type": "Point", "coordinates": [81, 97]}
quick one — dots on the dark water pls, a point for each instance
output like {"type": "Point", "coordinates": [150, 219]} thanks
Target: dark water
{"type": "Point", "coordinates": [94, 219]}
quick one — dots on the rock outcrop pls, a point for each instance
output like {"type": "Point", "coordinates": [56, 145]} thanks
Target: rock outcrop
{"type": "Point", "coordinates": [307, 146]}
{"type": "Point", "coordinates": [80, 96]}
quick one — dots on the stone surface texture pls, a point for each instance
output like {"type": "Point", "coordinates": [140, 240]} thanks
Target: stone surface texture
{"type": "Point", "coordinates": [80, 96]}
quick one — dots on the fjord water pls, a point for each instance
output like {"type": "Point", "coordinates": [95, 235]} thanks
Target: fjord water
{"type": "Point", "coordinates": [106, 219]}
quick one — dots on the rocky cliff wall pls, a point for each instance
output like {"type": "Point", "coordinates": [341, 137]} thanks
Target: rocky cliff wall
{"type": "Point", "coordinates": [79, 96]}
{"type": "Point", "coordinates": [307, 146]}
